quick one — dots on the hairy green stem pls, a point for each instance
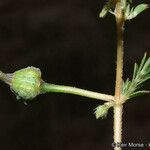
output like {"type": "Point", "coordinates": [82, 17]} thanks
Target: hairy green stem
{"type": "Point", "coordinates": [47, 87]}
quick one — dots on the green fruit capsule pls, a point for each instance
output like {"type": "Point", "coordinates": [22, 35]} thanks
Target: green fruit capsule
{"type": "Point", "coordinates": [26, 83]}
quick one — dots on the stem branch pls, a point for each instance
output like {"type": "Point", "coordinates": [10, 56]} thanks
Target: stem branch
{"type": "Point", "coordinates": [46, 87]}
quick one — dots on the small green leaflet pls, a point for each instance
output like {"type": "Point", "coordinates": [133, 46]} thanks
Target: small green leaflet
{"type": "Point", "coordinates": [102, 110]}
{"type": "Point", "coordinates": [107, 8]}
{"type": "Point", "coordinates": [135, 11]}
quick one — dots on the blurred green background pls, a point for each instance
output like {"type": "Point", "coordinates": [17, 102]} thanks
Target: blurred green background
{"type": "Point", "coordinates": [71, 45]}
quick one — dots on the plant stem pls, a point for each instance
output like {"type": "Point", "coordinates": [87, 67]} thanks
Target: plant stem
{"type": "Point", "coordinates": [47, 87]}
{"type": "Point", "coordinates": [118, 107]}
{"type": "Point", "coordinates": [5, 77]}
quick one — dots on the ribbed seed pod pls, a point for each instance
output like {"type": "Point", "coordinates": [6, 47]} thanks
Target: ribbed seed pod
{"type": "Point", "coordinates": [26, 83]}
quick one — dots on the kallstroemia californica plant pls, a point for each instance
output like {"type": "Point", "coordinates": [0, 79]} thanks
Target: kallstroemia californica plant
{"type": "Point", "coordinates": [27, 83]}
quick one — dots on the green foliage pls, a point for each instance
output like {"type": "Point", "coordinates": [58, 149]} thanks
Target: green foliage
{"type": "Point", "coordinates": [102, 110]}
{"type": "Point", "coordinates": [140, 75]}
{"type": "Point", "coordinates": [107, 8]}
{"type": "Point", "coordinates": [26, 82]}
{"type": "Point", "coordinates": [135, 11]}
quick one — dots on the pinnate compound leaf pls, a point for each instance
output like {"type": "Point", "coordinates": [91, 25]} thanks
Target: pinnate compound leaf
{"type": "Point", "coordinates": [140, 75]}
{"type": "Point", "coordinates": [135, 11]}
